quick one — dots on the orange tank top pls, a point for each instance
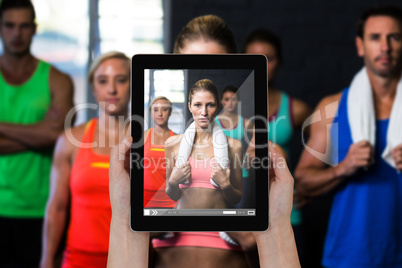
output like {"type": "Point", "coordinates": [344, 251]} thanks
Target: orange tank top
{"type": "Point", "coordinates": [155, 175]}
{"type": "Point", "coordinates": [88, 232]}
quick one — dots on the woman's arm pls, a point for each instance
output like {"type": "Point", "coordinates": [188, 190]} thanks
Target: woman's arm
{"type": "Point", "coordinates": [250, 152]}
{"type": "Point", "coordinates": [126, 248]}
{"type": "Point", "coordinates": [175, 175]}
{"type": "Point", "coordinates": [9, 146]}
{"type": "Point", "coordinates": [300, 112]}
{"type": "Point", "coordinates": [230, 180]}
{"type": "Point", "coordinates": [56, 210]}
{"type": "Point", "coordinates": [276, 246]}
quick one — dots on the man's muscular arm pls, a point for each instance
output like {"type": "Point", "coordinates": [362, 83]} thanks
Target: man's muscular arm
{"type": "Point", "coordinates": [42, 134]}
{"type": "Point", "coordinates": [313, 175]}
{"type": "Point", "coordinates": [8, 146]}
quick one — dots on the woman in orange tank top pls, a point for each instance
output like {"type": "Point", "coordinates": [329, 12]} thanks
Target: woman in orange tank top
{"type": "Point", "coordinates": [79, 177]}
{"type": "Point", "coordinates": [154, 155]}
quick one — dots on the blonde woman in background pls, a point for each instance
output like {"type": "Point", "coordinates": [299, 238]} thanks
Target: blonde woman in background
{"type": "Point", "coordinates": [79, 175]}
{"type": "Point", "coordinates": [155, 196]}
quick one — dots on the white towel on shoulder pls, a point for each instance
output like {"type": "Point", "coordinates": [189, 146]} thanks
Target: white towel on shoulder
{"type": "Point", "coordinates": [361, 114]}
{"type": "Point", "coordinates": [219, 141]}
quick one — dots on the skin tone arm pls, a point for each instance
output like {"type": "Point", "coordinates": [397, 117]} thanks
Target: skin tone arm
{"type": "Point", "coordinates": [250, 152]}
{"type": "Point", "coordinates": [230, 180]}
{"type": "Point", "coordinates": [301, 111]}
{"type": "Point", "coordinates": [57, 206]}
{"type": "Point", "coordinates": [175, 175]}
{"type": "Point", "coordinates": [8, 146]}
{"type": "Point", "coordinates": [130, 249]}
{"type": "Point", "coordinates": [126, 248]}
{"type": "Point", "coordinates": [246, 239]}
{"type": "Point", "coordinates": [313, 176]}
{"type": "Point", "coordinates": [45, 133]}
{"type": "Point", "coordinates": [276, 246]}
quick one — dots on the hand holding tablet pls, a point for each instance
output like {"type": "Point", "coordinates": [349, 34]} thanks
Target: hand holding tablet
{"type": "Point", "coordinates": [276, 245]}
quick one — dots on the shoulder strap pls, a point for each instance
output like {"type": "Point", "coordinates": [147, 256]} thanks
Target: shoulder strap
{"type": "Point", "coordinates": [90, 131]}
{"type": "Point", "coordinates": [284, 104]}
{"type": "Point", "coordinates": [148, 138]}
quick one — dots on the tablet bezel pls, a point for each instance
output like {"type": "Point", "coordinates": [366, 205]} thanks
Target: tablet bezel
{"type": "Point", "coordinates": [258, 63]}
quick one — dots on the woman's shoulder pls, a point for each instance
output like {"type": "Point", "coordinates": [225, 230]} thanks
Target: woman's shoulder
{"type": "Point", "coordinates": [146, 132]}
{"type": "Point", "coordinates": [70, 139]}
{"type": "Point", "coordinates": [235, 148]}
{"type": "Point", "coordinates": [276, 95]}
{"type": "Point", "coordinates": [173, 141]}
{"type": "Point", "coordinates": [76, 133]}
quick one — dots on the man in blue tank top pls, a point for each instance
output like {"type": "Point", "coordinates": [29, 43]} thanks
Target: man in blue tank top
{"type": "Point", "coordinates": [365, 226]}
{"type": "Point", "coordinates": [35, 98]}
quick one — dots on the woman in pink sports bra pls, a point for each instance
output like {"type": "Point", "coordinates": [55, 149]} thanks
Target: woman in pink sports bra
{"type": "Point", "coordinates": [204, 35]}
{"type": "Point", "coordinates": [199, 193]}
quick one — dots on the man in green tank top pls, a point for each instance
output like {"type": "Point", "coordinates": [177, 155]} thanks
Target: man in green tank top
{"type": "Point", "coordinates": [35, 98]}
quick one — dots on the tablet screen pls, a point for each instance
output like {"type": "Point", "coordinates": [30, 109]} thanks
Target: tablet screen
{"type": "Point", "coordinates": [166, 97]}
{"type": "Point", "coordinates": [195, 119]}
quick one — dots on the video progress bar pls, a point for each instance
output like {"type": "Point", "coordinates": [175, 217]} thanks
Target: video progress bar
{"type": "Point", "coordinates": [199, 212]}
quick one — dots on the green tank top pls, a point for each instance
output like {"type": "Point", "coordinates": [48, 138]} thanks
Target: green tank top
{"type": "Point", "coordinates": [280, 131]}
{"type": "Point", "coordinates": [24, 176]}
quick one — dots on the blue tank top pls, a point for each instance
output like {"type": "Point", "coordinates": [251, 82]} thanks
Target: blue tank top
{"type": "Point", "coordinates": [365, 225]}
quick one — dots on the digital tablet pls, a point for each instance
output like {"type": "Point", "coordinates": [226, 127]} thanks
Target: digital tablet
{"type": "Point", "coordinates": [194, 119]}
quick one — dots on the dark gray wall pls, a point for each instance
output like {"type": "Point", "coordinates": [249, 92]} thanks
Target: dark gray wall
{"type": "Point", "coordinates": [317, 36]}
{"type": "Point", "coordinates": [318, 41]}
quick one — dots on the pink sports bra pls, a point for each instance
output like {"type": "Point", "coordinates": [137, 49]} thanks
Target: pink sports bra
{"type": "Point", "coordinates": [194, 239]}
{"type": "Point", "coordinates": [200, 174]}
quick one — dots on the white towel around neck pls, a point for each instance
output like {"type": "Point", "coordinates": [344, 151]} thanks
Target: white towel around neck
{"type": "Point", "coordinates": [219, 141]}
{"type": "Point", "coordinates": [362, 119]}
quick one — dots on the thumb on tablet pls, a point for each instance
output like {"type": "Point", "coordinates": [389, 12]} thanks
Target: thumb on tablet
{"type": "Point", "coordinates": [280, 188]}
{"type": "Point", "coordinates": [278, 166]}
{"type": "Point", "coordinates": [120, 156]}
